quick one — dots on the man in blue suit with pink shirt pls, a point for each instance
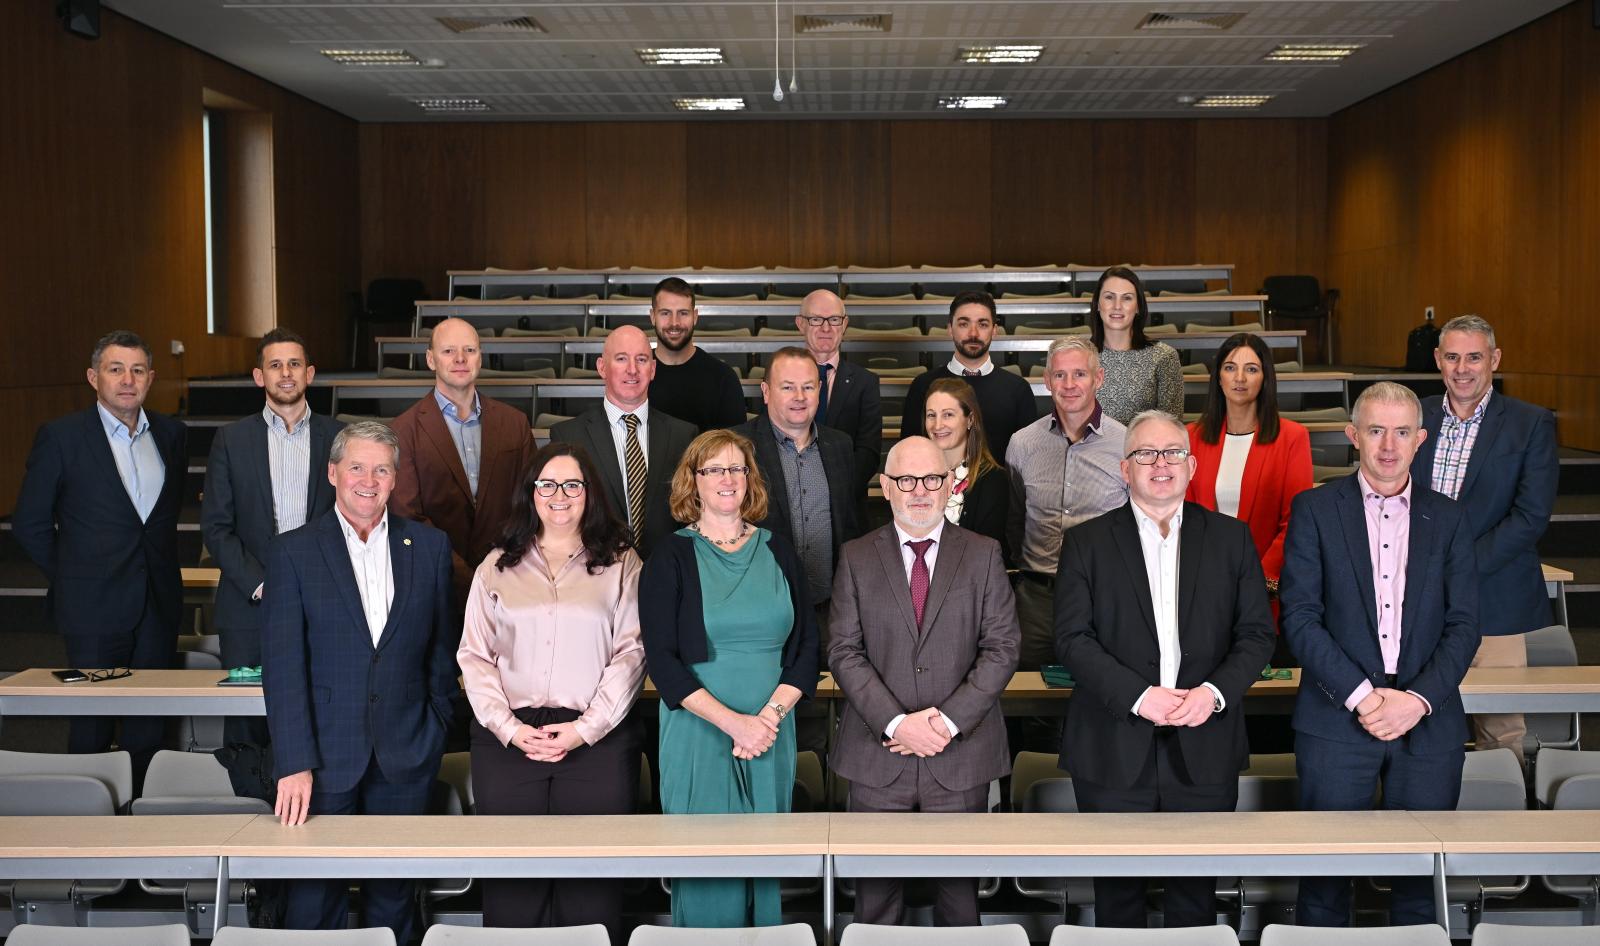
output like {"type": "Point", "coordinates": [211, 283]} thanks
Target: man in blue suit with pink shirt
{"type": "Point", "coordinates": [1380, 604]}
{"type": "Point", "coordinates": [358, 668]}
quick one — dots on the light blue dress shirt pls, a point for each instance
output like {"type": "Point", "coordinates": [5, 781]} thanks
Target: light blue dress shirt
{"type": "Point", "coordinates": [466, 433]}
{"type": "Point", "coordinates": [139, 463]}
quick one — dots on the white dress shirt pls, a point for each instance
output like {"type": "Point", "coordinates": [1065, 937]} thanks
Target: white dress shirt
{"type": "Point", "coordinates": [908, 558]}
{"type": "Point", "coordinates": [1161, 570]}
{"type": "Point", "coordinates": [955, 366]}
{"type": "Point", "coordinates": [139, 463]}
{"type": "Point", "coordinates": [374, 574]}
{"type": "Point", "coordinates": [619, 439]}
{"type": "Point", "coordinates": [1230, 472]}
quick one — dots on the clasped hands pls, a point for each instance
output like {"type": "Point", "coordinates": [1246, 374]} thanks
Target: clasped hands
{"type": "Point", "coordinates": [1388, 714]}
{"type": "Point", "coordinates": [922, 734]}
{"type": "Point", "coordinates": [753, 735]}
{"type": "Point", "coordinates": [547, 743]}
{"type": "Point", "coordinates": [1166, 706]}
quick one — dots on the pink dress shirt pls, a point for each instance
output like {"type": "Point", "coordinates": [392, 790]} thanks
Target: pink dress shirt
{"type": "Point", "coordinates": [1388, 546]}
{"type": "Point", "coordinates": [570, 640]}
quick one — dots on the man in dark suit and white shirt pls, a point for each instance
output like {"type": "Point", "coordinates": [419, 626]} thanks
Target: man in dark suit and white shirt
{"type": "Point", "coordinates": [267, 474]}
{"type": "Point", "coordinates": [636, 448]}
{"type": "Point", "coordinates": [358, 668]}
{"type": "Point", "coordinates": [1162, 618]}
{"type": "Point", "coordinates": [925, 640]}
{"type": "Point", "coordinates": [1379, 602]}
{"type": "Point", "coordinates": [98, 513]}
{"type": "Point", "coordinates": [848, 398]}
{"type": "Point", "coordinates": [1496, 456]}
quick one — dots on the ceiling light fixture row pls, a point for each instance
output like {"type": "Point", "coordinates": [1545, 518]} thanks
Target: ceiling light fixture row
{"type": "Point", "coordinates": [704, 103]}
{"type": "Point", "coordinates": [374, 57]}
{"type": "Point", "coordinates": [999, 54]}
{"type": "Point", "coordinates": [435, 106]}
{"type": "Point", "coordinates": [681, 56]}
{"type": "Point", "coordinates": [1229, 101]}
{"type": "Point", "coordinates": [972, 101]}
{"type": "Point", "coordinates": [1313, 52]}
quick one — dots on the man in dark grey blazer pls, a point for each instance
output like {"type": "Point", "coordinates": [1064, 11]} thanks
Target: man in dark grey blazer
{"type": "Point", "coordinates": [624, 434]}
{"type": "Point", "coordinates": [267, 474]}
{"type": "Point", "coordinates": [925, 639]}
{"type": "Point", "coordinates": [1496, 456]}
{"type": "Point", "coordinates": [847, 397]}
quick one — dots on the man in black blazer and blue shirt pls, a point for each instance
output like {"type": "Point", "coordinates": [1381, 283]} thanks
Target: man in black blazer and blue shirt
{"type": "Point", "coordinates": [1379, 602]}
{"type": "Point", "coordinates": [1496, 456]}
{"type": "Point", "coordinates": [98, 513]}
{"type": "Point", "coordinates": [358, 668]}
{"type": "Point", "coordinates": [1161, 616]}
{"type": "Point", "coordinates": [847, 395]}
{"type": "Point", "coordinates": [267, 474]}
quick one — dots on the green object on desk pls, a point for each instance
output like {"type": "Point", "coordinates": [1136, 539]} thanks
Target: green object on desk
{"type": "Point", "coordinates": [1277, 673]}
{"type": "Point", "coordinates": [1056, 677]}
{"type": "Point", "coordinates": [244, 675]}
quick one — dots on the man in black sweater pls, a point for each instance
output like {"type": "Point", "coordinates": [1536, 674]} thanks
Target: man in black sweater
{"type": "Point", "coordinates": [689, 384]}
{"type": "Point", "coordinates": [1006, 400]}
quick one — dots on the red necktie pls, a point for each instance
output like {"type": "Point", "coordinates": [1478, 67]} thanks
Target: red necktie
{"type": "Point", "coordinates": [919, 578]}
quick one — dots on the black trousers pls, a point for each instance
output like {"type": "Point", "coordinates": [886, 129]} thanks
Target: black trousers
{"type": "Point", "coordinates": [241, 647]}
{"type": "Point", "coordinates": [1164, 785]}
{"type": "Point", "coordinates": [882, 900]}
{"type": "Point", "coordinates": [602, 779]}
{"type": "Point", "coordinates": [152, 644]}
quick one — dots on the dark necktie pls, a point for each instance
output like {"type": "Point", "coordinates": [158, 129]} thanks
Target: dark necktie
{"type": "Point", "coordinates": [822, 393]}
{"type": "Point", "coordinates": [969, 373]}
{"type": "Point", "coordinates": [919, 578]}
{"type": "Point", "coordinates": [636, 476]}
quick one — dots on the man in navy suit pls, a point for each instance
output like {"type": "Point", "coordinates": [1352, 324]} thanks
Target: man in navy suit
{"type": "Point", "coordinates": [98, 513]}
{"type": "Point", "coordinates": [1496, 456]}
{"type": "Point", "coordinates": [1380, 604]}
{"type": "Point", "coordinates": [358, 668]}
{"type": "Point", "coordinates": [847, 397]}
{"type": "Point", "coordinates": [268, 474]}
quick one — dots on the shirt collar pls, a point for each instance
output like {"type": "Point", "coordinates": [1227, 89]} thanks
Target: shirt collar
{"type": "Point", "coordinates": [115, 427]}
{"type": "Point", "coordinates": [1450, 417]}
{"type": "Point", "coordinates": [614, 413]}
{"type": "Point", "coordinates": [379, 532]}
{"type": "Point", "coordinates": [831, 361]}
{"type": "Point", "coordinates": [1368, 494]}
{"type": "Point", "coordinates": [783, 438]}
{"type": "Point", "coordinates": [902, 536]}
{"type": "Point", "coordinates": [1092, 427]}
{"type": "Point", "coordinates": [448, 407]}
{"type": "Point", "coordinates": [276, 422]}
{"type": "Point", "coordinates": [957, 368]}
{"type": "Point", "coordinates": [1146, 522]}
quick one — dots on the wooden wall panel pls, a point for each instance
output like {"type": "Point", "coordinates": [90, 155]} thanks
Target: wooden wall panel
{"type": "Point", "coordinates": [101, 181]}
{"type": "Point", "coordinates": [737, 193]}
{"type": "Point", "coordinates": [1041, 195]}
{"type": "Point", "coordinates": [1144, 181]}
{"type": "Point", "coordinates": [534, 204]}
{"type": "Point", "coordinates": [430, 188]}
{"type": "Point", "coordinates": [1471, 188]}
{"type": "Point", "coordinates": [637, 205]}
{"type": "Point", "coordinates": [839, 173]}
{"type": "Point", "coordinates": [939, 192]}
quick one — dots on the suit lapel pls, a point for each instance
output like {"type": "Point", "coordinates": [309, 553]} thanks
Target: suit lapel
{"type": "Point", "coordinates": [1126, 534]}
{"type": "Point", "coordinates": [259, 462]}
{"type": "Point", "coordinates": [1248, 491]}
{"type": "Point", "coordinates": [778, 487]}
{"type": "Point", "coordinates": [400, 552]}
{"type": "Point", "coordinates": [433, 427]}
{"type": "Point", "coordinates": [604, 453]}
{"type": "Point", "coordinates": [1353, 520]}
{"type": "Point", "coordinates": [108, 461]}
{"type": "Point", "coordinates": [894, 570]}
{"type": "Point", "coordinates": [1419, 548]}
{"type": "Point", "coordinates": [656, 452]}
{"type": "Point", "coordinates": [337, 556]}
{"type": "Point", "coordinates": [839, 394]}
{"type": "Point", "coordinates": [317, 474]}
{"type": "Point", "coordinates": [1483, 447]}
{"type": "Point", "coordinates": [1191, 551]}
{"type": "Point", "coordinates": [952, 548]}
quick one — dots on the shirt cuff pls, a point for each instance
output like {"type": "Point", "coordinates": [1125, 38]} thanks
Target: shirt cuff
{"type": "Point", "coordinates": [256, 595]}
{"type": "Point", "coordinates": [950, 724]}
{"type": "Point", "coordinates": [1222, 704]}
{"type": "Point", "coordinates": [893, 725]}
{"type": "Point", "coordinates": [1357, 695]}
{"type": "Point", "coordinates": [1426, 706]}
{"type": "Point", "coordinates": [1140, 701]}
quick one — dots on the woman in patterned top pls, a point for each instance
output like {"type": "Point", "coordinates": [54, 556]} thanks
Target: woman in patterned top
{"type": "Point", "coordinates": [1140, 374]}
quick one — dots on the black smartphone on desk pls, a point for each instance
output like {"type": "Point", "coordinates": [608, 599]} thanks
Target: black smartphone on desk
{"type": "Point", "coordinates": [70, 676]}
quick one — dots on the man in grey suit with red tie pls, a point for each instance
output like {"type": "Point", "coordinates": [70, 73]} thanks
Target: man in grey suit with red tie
{"type": "Point", "coordinates": [925, 639]}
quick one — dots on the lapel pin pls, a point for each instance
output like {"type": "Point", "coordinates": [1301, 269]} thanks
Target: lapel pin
{"type": "Point", "coordinates": [405, 541]}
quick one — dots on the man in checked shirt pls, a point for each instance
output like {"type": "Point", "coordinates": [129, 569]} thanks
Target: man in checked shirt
{"type": "Point", "coordinates": [1065, 469]}
{"type": "Point", "coordinates": [1496, 456]}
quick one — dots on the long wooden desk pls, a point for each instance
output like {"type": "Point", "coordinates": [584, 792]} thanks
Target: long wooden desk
{"type": "Point", "coordinates": [1500, 843]}
{"type": "Point", "coordinates": [156, 847]}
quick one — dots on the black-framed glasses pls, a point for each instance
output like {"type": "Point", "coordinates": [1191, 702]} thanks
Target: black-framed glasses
{"type": "Point", "coordinates": [115, 673]}
{"type": "Point", "coordinates": [547, 488]}
{"type": "Point", "coordinates": [817, 321]}
{"type": "Point", "coordinates": [721, 471]}
{"type": "Point", "coordinates": [930, 481]}
{"type": "Point", "coordinates": [1147, 457]}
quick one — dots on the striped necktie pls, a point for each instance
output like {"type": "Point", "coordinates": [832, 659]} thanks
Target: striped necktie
{"type": "Point", "coordinates": [636, 476]}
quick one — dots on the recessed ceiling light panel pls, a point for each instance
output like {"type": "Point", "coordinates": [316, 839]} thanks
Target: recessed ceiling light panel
{"type": "Point", "coordinates": [1232, 101]}
{"type": "Point", "coordinates": [446, 105]}
{"type": "Point", "coordinates": [1312, 52]}
{"type": "Point", "coordinates": [972, 101]}
{"type": "Point", "coordinates": [999, 54]}
{"type": "Point", "coordinates": [709, 104]}
{"type": "Point", "coordinates": [372, 57]}
{"type": "Point", "coordinates": [681, 56]}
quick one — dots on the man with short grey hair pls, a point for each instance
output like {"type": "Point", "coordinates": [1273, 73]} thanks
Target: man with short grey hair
{"type": "Point", "coordinates": [358, 668]}
{"type": "Point", "coordinates": [1496, 456]}
{"type": "Point", "coordinates": [1065, 469]}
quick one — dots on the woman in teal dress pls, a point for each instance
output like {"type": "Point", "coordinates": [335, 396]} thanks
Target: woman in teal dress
{"type": "Point", "coordinates": [731, 645]}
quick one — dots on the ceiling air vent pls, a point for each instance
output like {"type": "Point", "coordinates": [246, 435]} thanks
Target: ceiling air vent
{"type": "Point", "coordinates": [1189, 21]}
{"type": "Point", "coordinates": [826, 23]}
{"type": "Point", "coordinates": [491, 24]}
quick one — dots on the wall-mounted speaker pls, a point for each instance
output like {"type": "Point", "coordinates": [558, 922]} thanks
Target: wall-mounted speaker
{"type": "Point", "coordinates": [80, 17]}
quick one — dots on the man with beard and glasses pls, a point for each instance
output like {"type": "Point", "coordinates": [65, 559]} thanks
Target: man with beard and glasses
{"type": "Point", "coordinates": [267, 475]}
{"type": "Point", "coordinates": [1004, 399]}
{"type": "Point", "coordinates": [689, 384]}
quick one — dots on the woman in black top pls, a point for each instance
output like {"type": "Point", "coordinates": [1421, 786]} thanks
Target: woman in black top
{"type": "Point", "coordinates": [954, 423]}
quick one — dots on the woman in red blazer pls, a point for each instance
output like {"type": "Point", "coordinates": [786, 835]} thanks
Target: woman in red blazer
{"type": "Point", "coordinates": [1249, 462]}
